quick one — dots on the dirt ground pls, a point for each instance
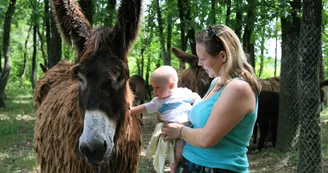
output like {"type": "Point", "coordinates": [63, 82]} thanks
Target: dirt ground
{"type": "Point", "coordinates": [149, 123]}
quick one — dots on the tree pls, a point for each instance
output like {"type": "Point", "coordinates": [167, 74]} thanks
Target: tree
{"type": "Point", "coordinates": [248, 40]}
{"type": "Point", "coordinates": [183, 39]}
{"type": "Point", "coordinates": [87, 9]}
{"type": "Point", "coordinates": [55, 44]}
{"type": "Point", "coordinates": [213, 12]}
{"type": "Point", "coordinates": [25, 57]}
{"type": "Point", "coordinates": [111, 11]}
{"type": "Point", "coordinates": [165, 54]}
{"type": "Point", "coordinates": [191, 31]}
{"type": "Point", "coordinates": [46, 23]}
{"type": "Point", "coordinates": [262, 52]}
{"type": "Point", "coordinates": [228, 12]}
{"type": "Point", "coordinates": [187, 25]}
{"type": "Point", "coordinates": [239, 18]}
{"type": "Point", "coordinates": [5, 71]}
{"type": "Point", "coordinates": [53, 39]}
{"type": "Point", "coordinates": [289, 115]}
{"type": "Point", "coordinates": [310, 157]}
{"type": "Point", "coordinates": [33, 71]}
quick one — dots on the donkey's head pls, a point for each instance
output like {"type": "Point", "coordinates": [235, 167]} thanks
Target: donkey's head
{"type": "Point", "coordinates": [102, 72]}
{"type": "Point", "coordinates": [195, 78]}
{"type": "Point", "coordinates": [138, 87]}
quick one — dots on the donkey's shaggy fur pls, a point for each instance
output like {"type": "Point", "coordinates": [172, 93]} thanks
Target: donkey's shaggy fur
{"type": "Point", "coordinates": [95, 86]}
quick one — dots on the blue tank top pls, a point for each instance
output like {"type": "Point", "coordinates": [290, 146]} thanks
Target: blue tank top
{"type": "Point", "coordinates": [230, 152]}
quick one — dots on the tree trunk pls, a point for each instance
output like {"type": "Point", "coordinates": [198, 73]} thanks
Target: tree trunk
{"type": "Point", "coordinates": [5, 72]}
{"type": "Point", "coordinates": [239, 18]}
{"type": "Point", "coordinates": [262, 52]}
{"type": "Point", "coordinates": [33, 71]}
{"type": "Point", "coordinates": [165, 55]}
{"type": "Point", "coordinates": [213, 12]}
{"type": "Point", "coordinates": [0, 62]}
{"type": "Point", "coordinates": [183, 39]}
{"type": "Point", "coordinates": [275, 50]}
{"type": "Point", "coordinates": [148, 95]}
{"type": "Point", "coordinates": [111, 13]}
{"type": "Point", "coordinates": [310, 155]}
{"type": "Point", "coordinates": [228, 12]}
{"type": "Point", "coordinates": [46, 22]}
{"type": "Point", "coordinates": [22, 76]}
{"type": "Point", "coordinates": [87, 9]}
{"type": "Point", "coordinates": [248, 41]}
{"type": "Point", "coordinates": [142, 61]}
{"type": "Point", "coordinates": [44, 54]}
{"type": "Point", "coordinates": [288, 120]}
{"type": "Point", "coordinates": [181, 6]}
{"type": "Point", "coordinates": [54, 55]}
{"type": "Point", "coordinates": [191, 29]}
{"type": "Point", "coordinates": [169, 34]}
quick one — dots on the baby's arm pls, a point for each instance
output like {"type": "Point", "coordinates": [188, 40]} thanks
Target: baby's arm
{"type": "Point", "coordinates": [138, 109]}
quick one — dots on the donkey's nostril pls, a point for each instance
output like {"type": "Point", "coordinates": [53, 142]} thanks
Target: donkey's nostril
{"type": "Point", "coordinates": [84, 148]}
{"type": "Point", "coordinates": [94, 150]}
{"type": "Point", "coordinates": [105, 145]}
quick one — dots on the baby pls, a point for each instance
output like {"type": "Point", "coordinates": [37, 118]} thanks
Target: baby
{"type": "Point", "coordinates": [172, 103]}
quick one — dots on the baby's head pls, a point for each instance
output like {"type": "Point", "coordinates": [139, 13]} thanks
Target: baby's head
{"type": "Point", "coordinates": [163, 80]}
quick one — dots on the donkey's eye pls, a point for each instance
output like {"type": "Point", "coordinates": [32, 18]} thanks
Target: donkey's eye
{"type": "Point", "coordinates": [82, 80]}
{"type": "Point", "coordinates": [118, 83]}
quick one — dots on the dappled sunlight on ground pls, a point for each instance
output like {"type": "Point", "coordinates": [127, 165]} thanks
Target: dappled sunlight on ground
{"type": "Point", "coordinates": [25, 117]}
{"type": "Point", "coordinates": [3, 117]}
{"type": "Point", "coordinates": [19, 117]}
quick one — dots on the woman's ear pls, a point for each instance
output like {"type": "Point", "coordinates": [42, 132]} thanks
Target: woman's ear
{"type": "Point", "coordinates": [223, 55]}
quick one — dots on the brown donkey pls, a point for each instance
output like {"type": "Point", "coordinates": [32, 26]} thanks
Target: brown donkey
{"type": "Point", "coordinates": [83, 122]}
{"type": "Point", "coordinates": [195, 78]}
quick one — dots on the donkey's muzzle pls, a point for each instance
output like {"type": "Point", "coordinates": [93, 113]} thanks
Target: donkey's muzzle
{"type": "Point", "coordinates": [97, 139]}
{"type": "Point", "coordinates": [94, 150]}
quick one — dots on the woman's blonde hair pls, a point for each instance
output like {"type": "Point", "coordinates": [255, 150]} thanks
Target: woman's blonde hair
{"type": "Point", "coordinates": [222, 38]}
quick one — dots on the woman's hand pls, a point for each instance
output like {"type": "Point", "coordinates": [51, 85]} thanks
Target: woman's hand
{"type": "Point", "coordinates": [171, 131]}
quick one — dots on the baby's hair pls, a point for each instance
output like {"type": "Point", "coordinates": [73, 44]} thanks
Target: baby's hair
{"type": "Point", "coordinates": [166, 74]}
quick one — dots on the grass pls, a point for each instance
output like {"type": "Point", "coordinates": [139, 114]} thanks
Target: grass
{"type": "Point", "coordinates": [16, 134]}
{"type": "Point", "coordinates": [17, 154]}
{"type": "Point", "coordinates": [324, 114]}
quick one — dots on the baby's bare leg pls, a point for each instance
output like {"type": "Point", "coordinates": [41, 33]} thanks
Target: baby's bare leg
{"type": "Point", "coordinates": [179, 144]}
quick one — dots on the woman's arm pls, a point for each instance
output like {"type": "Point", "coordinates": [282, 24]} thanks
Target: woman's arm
{"type": "Point", "coordinates": [236, 100]}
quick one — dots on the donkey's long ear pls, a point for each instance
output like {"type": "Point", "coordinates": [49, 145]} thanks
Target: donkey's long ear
{"type": "Point", "coordinates": [127, 26]}
{"type": "Point", "coordinates": [72, 24]}
{"type": "Point", "coordinates": [184, 56]}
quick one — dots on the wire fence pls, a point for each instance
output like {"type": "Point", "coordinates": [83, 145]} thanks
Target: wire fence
{"type": "Point", "coordinates": [299, 125]}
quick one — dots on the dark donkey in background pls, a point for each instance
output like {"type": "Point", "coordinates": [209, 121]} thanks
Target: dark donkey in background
{"type": "Point", "coordinates": [138, 86]}
{"type": "Point", "coordinates": [268, 111]}
{"type": "Point", "coordinates": [83, 122]}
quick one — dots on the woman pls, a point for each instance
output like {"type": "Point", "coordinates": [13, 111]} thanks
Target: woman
{"type": "Point", "coordinates": [223, 121]}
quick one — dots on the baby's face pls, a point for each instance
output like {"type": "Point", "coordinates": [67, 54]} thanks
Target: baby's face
{"type": "Point", "coordinates": [161, 89]}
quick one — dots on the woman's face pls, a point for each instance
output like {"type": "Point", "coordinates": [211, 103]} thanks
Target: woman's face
{"type": "Point", "coordinates": [211, 64]}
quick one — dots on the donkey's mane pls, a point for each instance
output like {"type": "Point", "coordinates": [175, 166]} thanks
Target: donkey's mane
{"type": "Point", "coordinates": [97, 41]}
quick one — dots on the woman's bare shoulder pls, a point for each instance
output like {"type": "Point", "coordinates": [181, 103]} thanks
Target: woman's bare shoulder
{"type": "Point", "coordinates": [239, 87]}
